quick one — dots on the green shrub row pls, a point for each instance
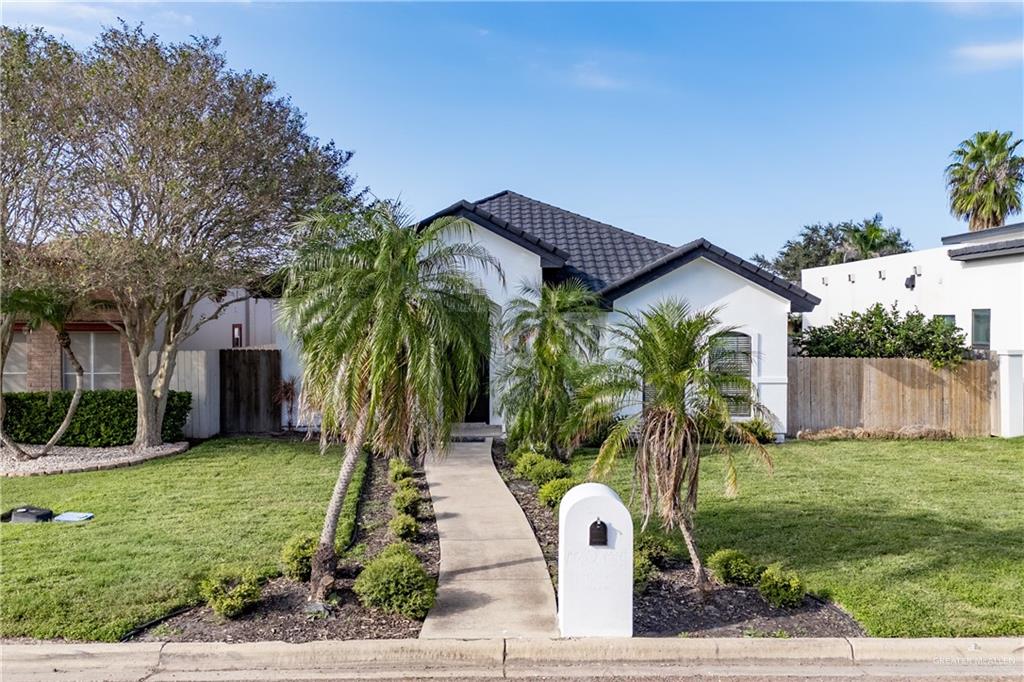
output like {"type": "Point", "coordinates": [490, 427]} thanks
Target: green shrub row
{"type": "Point", "coordinates": [103, 418]}
{"type": "Point", "coordinates": [395, 581]}
{"type": "Point", "coordinates": [552, 492]}
{"type": "Point", "coordinates": [779, 587]}
{"type": "Point", "coordinates": [650, 553]}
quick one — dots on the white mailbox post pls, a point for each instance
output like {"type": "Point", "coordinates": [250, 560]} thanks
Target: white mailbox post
{"type": "Point", "coordinates": [595, 564]}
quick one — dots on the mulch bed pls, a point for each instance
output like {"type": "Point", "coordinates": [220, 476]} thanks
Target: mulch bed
{"type": "Point", "coordinates": [671, 606]}
{"type": "Point", "coordinates": [280, 615]}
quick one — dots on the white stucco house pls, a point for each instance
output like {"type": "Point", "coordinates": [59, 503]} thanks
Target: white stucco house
{"type": "Point", "coordinates": [975, 280]}
{"type": "Point", "coordinates": [538, 242]}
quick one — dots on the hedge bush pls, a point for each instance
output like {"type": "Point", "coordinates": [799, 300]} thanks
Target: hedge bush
{"type": "Point", "coordinates": [760, 429]}
{"type": "Point", "coordinates": [781, 588]}
{"type": "Point", "coordinates": [297, 556]}
{"type": "Point", "coordinates": [732, 567]}
{"type": "Point", "coordinates": [406, 501]}
{"type": "Point", "coordinates": [230, 592]}
{"type": "Point", "coordinates": [660, 551]}
{"type": "Point", "coordinates": [103, 418]}
{"type": "Point", "coordinates": [552, 492]}
{"type": "Point", "coordinates": [525, 461]}
{"type": "Point", "coordinates": [399, 470]}
{"type": "Point", "coordinates": [881, 332]}
{"type": "Point", "coordinates": [403, 527]}
{"type": "Point", "coordinates": [547, 470]}
{"type": "Point", "coordinates": [395, 581]}
{"type": "Point", "coordinates": [643, 570]}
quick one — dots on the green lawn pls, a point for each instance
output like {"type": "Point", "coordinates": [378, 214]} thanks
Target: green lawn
{"type": "Point", "coordinates": [912, 538]}
{"type": "Point", "coordinates": [158, 528]}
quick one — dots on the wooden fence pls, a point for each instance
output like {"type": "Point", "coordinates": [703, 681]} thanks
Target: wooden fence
{"type": "Point", "coordinates": [198, 371]}
{"type": "Point", "coordinates": [891, 393]}
{"type": "Point", "coordinates": [248, 381]}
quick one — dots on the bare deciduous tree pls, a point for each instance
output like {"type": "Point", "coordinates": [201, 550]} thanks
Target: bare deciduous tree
{"type": "Point", "coordinates": [40, 115]}
{"type": "Point", "coordinates": [191, 176]}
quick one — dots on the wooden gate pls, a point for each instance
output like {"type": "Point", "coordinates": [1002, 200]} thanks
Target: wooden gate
{"type": "Point", "coordinates": [248, 381]}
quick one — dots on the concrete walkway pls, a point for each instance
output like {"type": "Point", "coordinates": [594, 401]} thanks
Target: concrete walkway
{"type": "Point", "coordinates": [493, 578]}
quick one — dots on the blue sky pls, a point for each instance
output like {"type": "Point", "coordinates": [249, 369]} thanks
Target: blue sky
{"type": "Point", "coordinates": [736, 122]}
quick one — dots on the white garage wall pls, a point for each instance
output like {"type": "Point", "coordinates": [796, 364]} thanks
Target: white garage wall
{"type": "Point", "coordinates": [753, 310]}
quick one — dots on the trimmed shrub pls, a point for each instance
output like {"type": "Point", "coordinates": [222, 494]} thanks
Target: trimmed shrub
{"type": "Point", "coordinates": [103, 418]}
{"type": "Point", "coordinates": [230, 592]}
{"type": "Point", "coordinates": [406, 501]}
{"type": "Point", "coordinates": [659, 550]}
{"type": "Point", "coordinates": [406, 484]}
{"type": "Point", "coordinates": [781, 588]}
{"type": "Point", "coordinates": [732, 567]}
{"type": "Point", "coordinates": [297, 556]}
{"type": "Point", "coordinates": [525, 462]}
{"type": "Point", "coordinates": [552, 492]}
{"type": "Point", "coordinates": [297, 553]}
{"type": "Point", "coordinates": [547, 470]}
{"type": "Point", "coordinates": [395, 581]}
{"type": "Point", "coordinates": [760, 429]}
{"type": "Point", "coordinates": [398, 470]}
{"type": "Point", "coordinates": [643, 570]}
{"type": "Point", "coordinates": [403, 527]}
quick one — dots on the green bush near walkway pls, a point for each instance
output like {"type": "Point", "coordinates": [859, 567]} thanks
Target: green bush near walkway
{"type": "Point", "coordinates": [913, 538]}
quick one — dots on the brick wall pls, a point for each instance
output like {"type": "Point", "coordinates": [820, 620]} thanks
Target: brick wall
{"type": "Point", "coordinates": [45, 366]}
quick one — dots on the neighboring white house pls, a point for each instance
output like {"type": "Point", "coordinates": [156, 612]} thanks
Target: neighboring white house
{"type": "Point", "coordinates": [975, 279]}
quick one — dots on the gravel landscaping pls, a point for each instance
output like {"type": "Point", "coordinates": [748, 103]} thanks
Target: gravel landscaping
{"type": "Point", "coordinates": [67, 460]}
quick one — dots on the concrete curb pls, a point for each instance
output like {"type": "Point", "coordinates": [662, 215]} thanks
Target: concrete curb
{"type": "Point", "coordinates": [991, 658]}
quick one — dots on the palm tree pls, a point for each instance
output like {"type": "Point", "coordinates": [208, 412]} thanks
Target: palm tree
{"type": "Point", "coordinates": [669, 369]}
{"type": "Point", "coordinates": [985, 179]}
{"type": "Point", "coordinates": [871, 239]}
{"type": "Point", "coordinates": [549, 330]}
{"type": "Point", "coordinates": [54, 308]}
{"type": "Point", "coordinates": [391, 327]}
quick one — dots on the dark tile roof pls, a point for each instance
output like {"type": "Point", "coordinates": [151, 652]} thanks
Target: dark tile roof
{"type": "Point", "coordinates": [608, 259]}
{"type": "Point", "coordinates": [988, 250]}
{"type": "Point", "coordinates": [701, 248]}
{"type": "Point", "coordinates": [599, 253]}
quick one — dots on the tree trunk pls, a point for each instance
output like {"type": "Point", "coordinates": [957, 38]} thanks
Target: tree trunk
{"type": "Point", "coordinates": [6, 339]}
{"type": "Point", "coordinates": [151, 397]}
{"type": "Point", "coordinates": [325, 560]}
{"type": "Point", "coordinates": [700, 576]}
{"type": "Point", "coordinates": [64, 340]}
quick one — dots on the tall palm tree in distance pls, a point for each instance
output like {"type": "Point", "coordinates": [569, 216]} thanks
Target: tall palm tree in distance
{"type": "Point", "coordinates": [391, 325]}
{"type": "Point", "coordinates": [669, 368]}
{"type": "Point", "coordinates": [985, 179]}
{"type": "Point", "coordinates": [550, 330]}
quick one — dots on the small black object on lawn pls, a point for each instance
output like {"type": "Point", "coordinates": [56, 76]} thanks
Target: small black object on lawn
{"type": "Point", "coordinates": [598, 534]}
{"type": "Point", "coordinates": [27, 514]}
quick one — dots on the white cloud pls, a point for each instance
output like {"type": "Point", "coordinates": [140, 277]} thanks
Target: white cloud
{"type": "Point", "coordinates": [985, 56]}
{"type": "Point", "coordinates": [589, 76]}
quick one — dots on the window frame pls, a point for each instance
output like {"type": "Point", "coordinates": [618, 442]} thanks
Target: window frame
{"type": "Point", "coordinates": [7, 366]}
{"type": "Point", "coordinates": [89, 364]}
{"type": "Point", "coordinates": [740, 407]}
{"type": "Point", "coordinates": [978, 345]}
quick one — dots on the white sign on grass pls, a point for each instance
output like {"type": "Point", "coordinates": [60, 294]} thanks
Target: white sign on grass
{"type": "Point", "coordinates": [595, 564]}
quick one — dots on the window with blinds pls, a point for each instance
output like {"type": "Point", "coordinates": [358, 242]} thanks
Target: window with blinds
{"type": "Point", "coordinates": [733, 356]}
